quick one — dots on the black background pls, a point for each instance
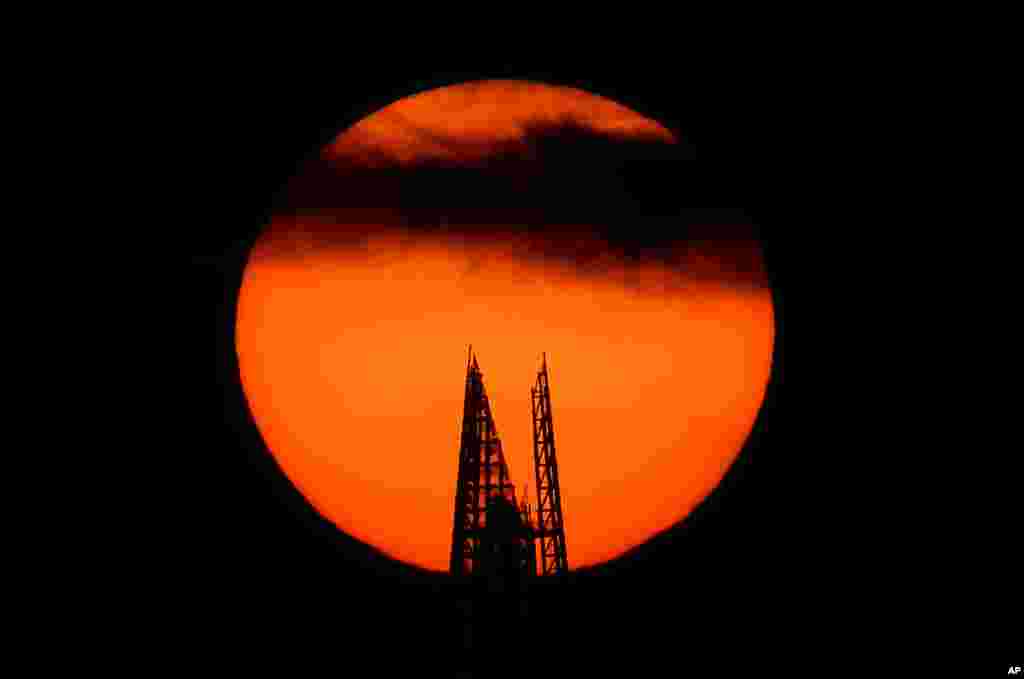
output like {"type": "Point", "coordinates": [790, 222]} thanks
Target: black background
{"type": "Point", "coordinates": [238, 545]}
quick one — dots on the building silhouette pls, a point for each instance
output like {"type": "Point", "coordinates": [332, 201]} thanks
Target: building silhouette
{"type": "Point", "coordinates": [495, 540]}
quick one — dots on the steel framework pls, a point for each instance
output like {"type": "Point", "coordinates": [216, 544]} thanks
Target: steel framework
{"type": "Point", "coordinates": [550, 529]}
{"type": "Point", "coordinates": [483, 475]}
{"type": "Point", "coordinates": [508, 542]}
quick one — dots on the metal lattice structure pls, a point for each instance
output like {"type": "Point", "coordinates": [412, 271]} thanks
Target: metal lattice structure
{"type": "Point", "coordinates": [494, 534]}
{"type": "Point", "coordinates": [550, 529]}
{"type": "Point", "coordinates": [483, 477]}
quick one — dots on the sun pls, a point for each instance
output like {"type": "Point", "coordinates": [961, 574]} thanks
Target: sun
{"type": "Point", "coordinates": [354, 318]}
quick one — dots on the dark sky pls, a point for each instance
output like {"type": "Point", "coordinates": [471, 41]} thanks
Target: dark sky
{"type": "Point", "coordinates": [240, 538]}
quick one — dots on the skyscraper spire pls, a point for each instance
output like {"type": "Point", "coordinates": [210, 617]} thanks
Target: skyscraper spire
{"type": "Point", "coordinates": [550, 522]}
{"type": "Point", "coordinates": [483, 478]}
{"type": "Point", "coordinates": [494, 527]}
